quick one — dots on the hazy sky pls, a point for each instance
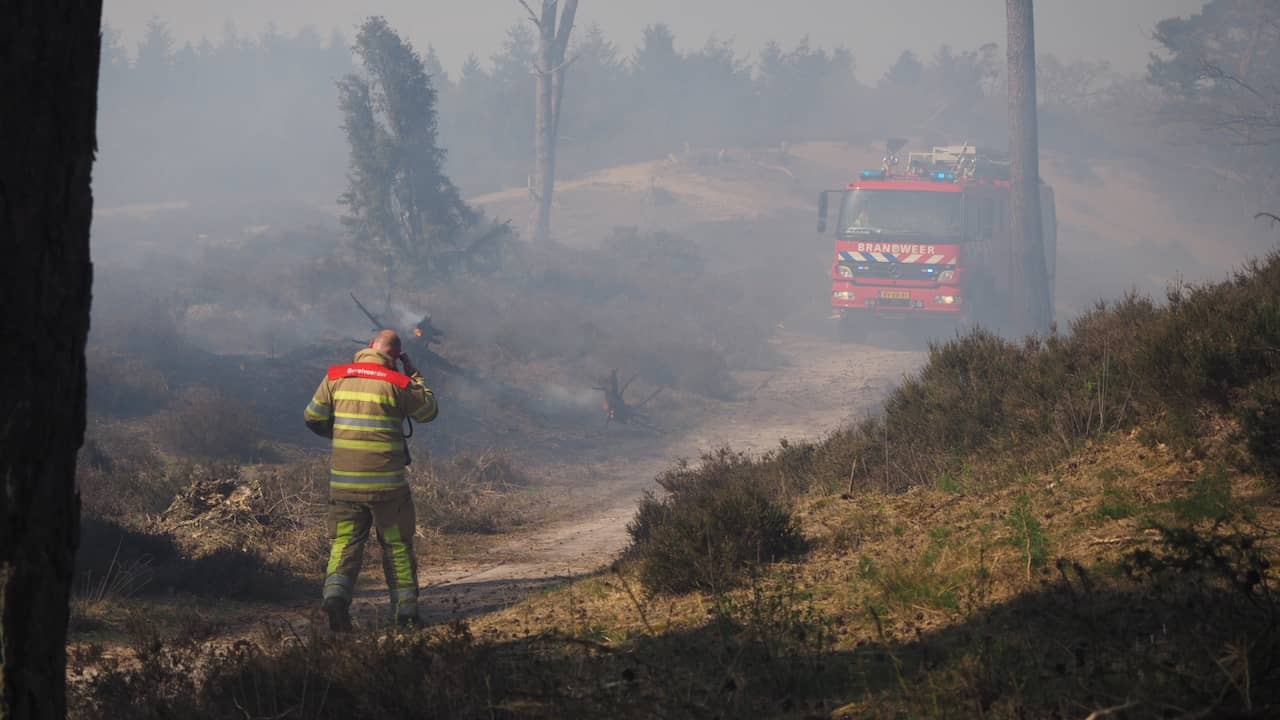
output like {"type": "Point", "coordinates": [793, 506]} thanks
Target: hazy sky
{"type": "Point", "coordinates": [876, 30]}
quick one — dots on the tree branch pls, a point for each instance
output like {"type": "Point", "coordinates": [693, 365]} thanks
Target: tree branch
{"type": "Point", "coordinates": [533, 17]}
{"type": "Point", "coordinates": [562, 65]}
{"type": "Point", "coordinates": [566, 25]}
{"type": "Point", "coordinates": [1215, 72]}
{"type": "Point", "coordinates": [1108, 712]}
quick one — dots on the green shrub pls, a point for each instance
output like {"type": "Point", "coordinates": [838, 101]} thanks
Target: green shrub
{"type": "Point", "coordinates": [1027, 534]}
{"type": "Point", "coordinates": [1209, 500]}
{"type": "Point", "coordinates": [1259, 414]}
{"type": "Point", "coordinates": [1122, 364]}
{"type": "Point", "coordinates": [1116, 504]}
{"type": "Point", "coordinates": [718, 520]}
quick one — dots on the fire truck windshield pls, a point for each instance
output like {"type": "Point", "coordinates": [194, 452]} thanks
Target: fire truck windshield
{"type": "Point", "coordinates": [900, 212]}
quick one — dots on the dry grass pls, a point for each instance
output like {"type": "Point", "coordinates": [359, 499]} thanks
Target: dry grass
{"type": "Point", "coordinates": [473, 493]}
{"type": "Point", "coordinates": [920, 606]}
{"type": "Point", "coordinates": [1074, 524]}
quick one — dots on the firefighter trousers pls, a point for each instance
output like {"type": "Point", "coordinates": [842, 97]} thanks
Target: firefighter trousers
{"type": "Point", "coordinates": [393, 521]}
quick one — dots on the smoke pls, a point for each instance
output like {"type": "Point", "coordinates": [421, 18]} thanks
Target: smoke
{"type": "Point", "coordinates": [218, 228]}
{"type": "Point", "coordinates": [554, 399]}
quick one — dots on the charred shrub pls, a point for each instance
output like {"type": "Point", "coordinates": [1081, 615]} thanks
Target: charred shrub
{"type": "Point", "coordinates": [123, 385]}
{"type": "Point", "coordinates": [207, 424]}
{"type": "Point", "coordinates": [648, 302]}
{"type": "Point", "coordinates": [128, 319]}
{"type": "Point", "coordinates": [117, 475]}
{"type": "Point", "coordinates": [718, 521]}
{"type": "Point", "coordinates": [442, 672]}
{"type": "Point", "coordinates": [690, 367]}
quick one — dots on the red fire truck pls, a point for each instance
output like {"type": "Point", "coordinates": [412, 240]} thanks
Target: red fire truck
{"type": "Point", "coordinates": [928, 242]}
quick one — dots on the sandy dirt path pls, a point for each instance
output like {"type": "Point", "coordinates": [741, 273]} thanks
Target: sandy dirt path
{"type": "Point", "coordinates": [823, 385]}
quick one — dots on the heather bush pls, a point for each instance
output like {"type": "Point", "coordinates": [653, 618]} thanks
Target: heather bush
{"type": "Point", "coordinates": [717, 521]}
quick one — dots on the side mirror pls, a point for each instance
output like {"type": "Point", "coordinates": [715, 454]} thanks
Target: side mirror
{"type": "Point", "coordinates": [822, 212]}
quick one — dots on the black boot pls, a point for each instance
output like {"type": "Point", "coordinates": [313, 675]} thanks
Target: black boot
{"type": "Point", "coordinates": [339, 615]}
{"type": "Point", "coordinates": [410, 622]}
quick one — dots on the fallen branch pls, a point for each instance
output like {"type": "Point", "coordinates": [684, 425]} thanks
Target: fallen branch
{"type": "Point", "coordinates": [1108, 712]}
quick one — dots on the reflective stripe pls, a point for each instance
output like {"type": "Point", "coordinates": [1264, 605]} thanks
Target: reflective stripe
{"type": "Point", "coordinates": [338, 586]}
{"type": "Point", "coordinates": [383, 445]}
{"type": "Point", "coordinates": [349, 480]}
{"type": "Point", "coordinates": [341, 538]}
{"type": "Point", "coordinates": [361, 416]}
{"type": "Point", "coordinates": [318, 411]}
{"type": "Point", "coordinates": [337, 582]}
{"type": "Point", "coordinates": [384, 400]}
{"type": "Point", "coordinates": [358, 429]}
{"type": "Point", "coordinates": [335, 485]}
{"type": "Point", "coordinates": [400, 560]}
{"type": "Point", "coordinates": [423, 416]}
{"type": "Point", "coordinates": [346, 422]}
{"type": "Point", "coordinates": [367, 473]}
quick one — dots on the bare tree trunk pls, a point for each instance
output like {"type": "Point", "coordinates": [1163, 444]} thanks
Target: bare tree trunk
{"type": "Point", "coordinates": [553, 40]}
{"type": "Point", "coordinates": [49, 72]}
{"type": "Point", "coordinates": [1030, 285]}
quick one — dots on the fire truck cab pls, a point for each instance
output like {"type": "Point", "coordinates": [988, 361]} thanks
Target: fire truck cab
{"type": "Point", "coordinates": [928, 242]}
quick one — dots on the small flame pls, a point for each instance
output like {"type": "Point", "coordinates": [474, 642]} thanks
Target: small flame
{"type": "Point", "coordinates": [417, 332]}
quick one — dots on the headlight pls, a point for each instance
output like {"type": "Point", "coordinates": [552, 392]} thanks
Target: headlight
{"type": "Point", "coordinates": [947, 275]}
{"type": "Point", "coordinates": [946, 300]}
{"type": "Point", "coordinates": [844, 271]}
{"type": "Point", "coordinates": [842, 295]}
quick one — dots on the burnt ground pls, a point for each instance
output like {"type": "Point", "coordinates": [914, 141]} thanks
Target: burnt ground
{"type": "Point", "coordinates": [591, 475]}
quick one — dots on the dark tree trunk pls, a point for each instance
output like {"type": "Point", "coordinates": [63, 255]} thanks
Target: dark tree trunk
{"type": "Point", "coordinates": [553, 41]}
{"type": "Point", "coordinates": [49, 72]}
{"type": "Point", "coordinates": [1029, 284]}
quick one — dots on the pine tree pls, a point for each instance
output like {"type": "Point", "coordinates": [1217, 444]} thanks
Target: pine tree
{"type": "Point", "coordinates": [402, 210]}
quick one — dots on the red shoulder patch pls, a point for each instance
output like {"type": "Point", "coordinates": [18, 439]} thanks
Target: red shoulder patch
{"type": "Point", "coordinates": [370, 371]}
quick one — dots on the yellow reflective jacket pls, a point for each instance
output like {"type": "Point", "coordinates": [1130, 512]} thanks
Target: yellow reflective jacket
{"type": "Point", "coordinates": [363, 407]}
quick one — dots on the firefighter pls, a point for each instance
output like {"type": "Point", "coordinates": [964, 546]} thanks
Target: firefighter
{"type": "Point", "coordinates": [362, 407]}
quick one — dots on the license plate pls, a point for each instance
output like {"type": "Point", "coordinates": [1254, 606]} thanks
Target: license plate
{"type": "Point", "coordinates": [895, 295]}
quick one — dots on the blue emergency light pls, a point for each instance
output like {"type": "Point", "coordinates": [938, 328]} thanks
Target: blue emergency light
{"type": "Point", "coordinates": [944, 177]}
{"type": "Point", "coordinates": [872, 174]}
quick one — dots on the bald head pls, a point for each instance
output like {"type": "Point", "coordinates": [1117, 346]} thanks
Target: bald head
{"type": "Point", "coordinates": [386, 342]}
